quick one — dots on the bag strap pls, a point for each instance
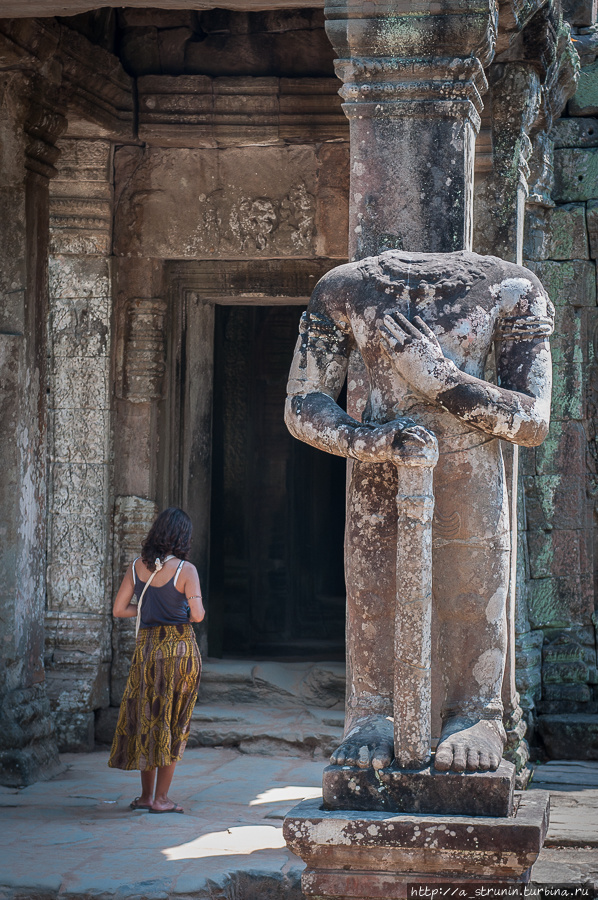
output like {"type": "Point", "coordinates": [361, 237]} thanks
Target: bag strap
{"type": "Point", "coordinates": [147, 584]}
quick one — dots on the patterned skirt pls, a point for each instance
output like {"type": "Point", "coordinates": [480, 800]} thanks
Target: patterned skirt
{"type": "Point", "coordinates": [155, 712]}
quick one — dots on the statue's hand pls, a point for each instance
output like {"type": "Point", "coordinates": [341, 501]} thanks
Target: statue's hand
{"type": "Point", "coordinates": [400, 441]}
{"type": "Point", "coordinates": [416, 355]}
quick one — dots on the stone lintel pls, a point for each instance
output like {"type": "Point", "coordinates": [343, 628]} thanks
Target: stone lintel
{"type": "Point", "coordinates": [375, 856]}
{"type": "Point", "coordinates": [201, 111]}
{"type": "Point", "coordinates": [30, 8]}
{"type": "Point", "coordinates": [422, 791]}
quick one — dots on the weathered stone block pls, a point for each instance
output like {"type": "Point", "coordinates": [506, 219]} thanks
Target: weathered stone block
{"type": "Point", "coordinates": [579, 12]}
{"type": "Point", "coordinates": [75, 587]}
{"type": "Point", "coordinates": [575, 175]}
{"type": "Point", "coordinates": [559, 601]}
{"type": "Point", "coordinates": [28, 750]}
{"type": "Point", "coordinates": [80, 383]}
{"type": "Point", "coordinates": [528, 681]}
{"type": "Point", "coordinates": [84, 536]}
{"type": "Point", "coordinates": [80, 435]}
{"type": "Point", "coordinates": [567, 345]}
{"type": "Point", "coordinates": [564, 450]}
{"type": "Point", "coordinates": [375, 855]}
{"type": "Point", "coordinates": [563, 648]}
{"type": "Point", "coordinates": [585, 100]}
{"type": "Point", "coordinates": [575, 133]}
{"type": "Point", "coordinates": [78, 277]}
{"type": "Point", "coordinates": [248, 202]}
{"type": "Point", "coordinates": [571, 283]}
{"type": "Point", "coordinates": [553, 553]}
{"type": "Point", "coordinates": [592, 220]}
{"type": "Point", "coordinates": [569, 736]}
{"type": "Point", "coordinates": [565, 673]}
{"type": "Point", "coordinates": [78, 488]}
{"type": "Point", "coordinates": [554, 502]}
{"type": "Point", "coordinates": [566, 693]}
{"type": "Point", "coordinates": [558, 233]}
{"type": "Point", "coordinates": [332, 211]}
{"type": "Point", "coordinates": [420, 791]}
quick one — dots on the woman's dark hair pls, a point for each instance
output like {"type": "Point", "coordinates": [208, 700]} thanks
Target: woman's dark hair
{"type": "Point", "coordinates": [170, 534]}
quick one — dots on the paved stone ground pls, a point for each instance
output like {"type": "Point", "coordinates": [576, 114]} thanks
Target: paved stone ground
{"type": "Point", "coordinates": [75, 838]}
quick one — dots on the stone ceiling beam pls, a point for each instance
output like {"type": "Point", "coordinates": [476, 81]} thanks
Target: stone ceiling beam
{"type": "Point", "coordinates": [45, 8]}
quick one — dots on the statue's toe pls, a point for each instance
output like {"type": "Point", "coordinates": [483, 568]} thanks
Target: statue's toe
{"type": "Point", "coordinates": [484, 763]}
{"type": "Point", "coordinates": [473, 759]}
{"type": "Point", "coordinates": [444, 758]}
{"type": "Point", "coordinates": [381, 758]}
{"type": "Point", "coordinates": [338, 757]}
{"type": "Point", "coordinates": [459, 758]}
{"type": "Point", "coordinates": [364, 757]}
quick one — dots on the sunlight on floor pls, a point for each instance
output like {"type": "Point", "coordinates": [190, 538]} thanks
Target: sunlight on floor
{"type": "Point", "coordinates": [289, 793]}
{"type": "Point", "coordinates": [240, 840]}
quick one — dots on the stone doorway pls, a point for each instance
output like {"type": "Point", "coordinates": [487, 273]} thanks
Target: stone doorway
{"type": "Point", "coordinates": [277, 513]}
{"type": "Point", "coordinates": [268, 510]}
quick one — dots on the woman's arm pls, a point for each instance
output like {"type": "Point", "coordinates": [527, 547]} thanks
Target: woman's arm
{"type": "Point", "coordinates": [192, 591]}
{"type": "Point", "coordinates": [123, 608]}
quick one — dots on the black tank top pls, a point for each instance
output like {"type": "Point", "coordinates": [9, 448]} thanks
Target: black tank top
{"type": "Point", "coordinates": [163, 605]}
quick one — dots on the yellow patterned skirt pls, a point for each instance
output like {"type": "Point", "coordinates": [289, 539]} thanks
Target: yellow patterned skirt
{"type": "Point", "coordinates": [155, 712]}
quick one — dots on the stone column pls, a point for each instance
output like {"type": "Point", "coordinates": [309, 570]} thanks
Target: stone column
{"type": "Point", "coordinates": [514, 100]}
{"type": "Point", "coordinates": [140, 317]}
{"type": "Point", "coordinates": [524, 95]}
{"type": "Point", "coordinates": [414, 112]}
{"type": "Point", "coordinates": [30, 121]}
{"type": "Point", "coordinates": [411, 86]}
{"type": "Point", "coordinates": [78, 619]}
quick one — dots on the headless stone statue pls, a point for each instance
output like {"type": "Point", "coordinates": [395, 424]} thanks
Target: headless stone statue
{"type": "Point", "coordinates": [425, 325]}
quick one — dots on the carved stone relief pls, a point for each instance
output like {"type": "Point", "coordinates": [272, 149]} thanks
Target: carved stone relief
{"type": "Point", "coordinates": [78, 572]}
{"type": "Point", "coordinates": [253, 201]}
{"type": "Point", "coordinates": [145, 352]}
{"type": "Point", "coordinates": [133, 517]}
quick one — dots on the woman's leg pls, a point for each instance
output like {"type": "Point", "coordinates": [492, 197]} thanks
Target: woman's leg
{"type": "Point", "coordinates": [148, 779]}
{"type": "Point", "coordinates": [164, 780]}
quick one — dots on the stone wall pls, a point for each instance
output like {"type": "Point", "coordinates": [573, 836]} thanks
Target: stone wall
{"type": "Point", "coordinates": [79, 584]}
{"type": "Point", "coordinates": [557, 652]}
{"type": "Point", "coordinates": [30, 121]}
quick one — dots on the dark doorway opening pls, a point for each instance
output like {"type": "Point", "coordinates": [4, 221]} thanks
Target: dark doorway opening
{"type": "Point", "coordinates": [278, 506]}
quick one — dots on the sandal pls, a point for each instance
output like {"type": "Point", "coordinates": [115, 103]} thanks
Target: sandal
{"type": "Point", "coordinates": [135, 804]}
{"type": "Point", "coordinates": [172, 809]}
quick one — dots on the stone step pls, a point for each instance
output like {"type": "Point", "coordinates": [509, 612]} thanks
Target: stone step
{"type": "Point", "coordinates": [251, 728]}
{"type": "Point", "coordinates": [308, 732]}
{"type": "Point", "coordinates": [288, 684]}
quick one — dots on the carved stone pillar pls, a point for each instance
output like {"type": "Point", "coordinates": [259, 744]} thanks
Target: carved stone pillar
{"type": "Point", "coordinates": [30, 122]}
{"type": "Point", "coordinates": [140, 335]}
{"type": "Point", "coordinates": [529, 83]}
{"type": "Point", "coordinates": [412, 85]}
{"type": "Point", "coordinates": [78, 619]}
{"type": "Point", "coordinates": [133, 518]}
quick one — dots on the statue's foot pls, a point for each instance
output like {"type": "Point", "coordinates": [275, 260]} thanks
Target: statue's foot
{"type": "Point", "coordinates": [369, 742]}
{"type": "Point", "coordinates": [468, 743]}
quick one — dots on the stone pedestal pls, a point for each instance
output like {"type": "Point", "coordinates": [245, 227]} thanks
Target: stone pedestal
{"type": "Point", "coordinates": [421, 790]}
{"type": "Point", "coordinates": [377, 856]}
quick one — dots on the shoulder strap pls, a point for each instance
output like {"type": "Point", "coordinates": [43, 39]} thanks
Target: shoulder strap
{"type": "Point", "coordinates": [134, 572]}
{"type": "Point", "coordinates": [178, 571]}
{"type": "Point", "coordinates": [147, 584]}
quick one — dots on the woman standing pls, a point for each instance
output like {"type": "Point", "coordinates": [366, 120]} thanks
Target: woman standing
{"type": "Point", "coordinates": [156, 708]}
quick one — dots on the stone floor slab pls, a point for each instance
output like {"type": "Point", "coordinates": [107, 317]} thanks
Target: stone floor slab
{"type": "Point", "coordinates": [74, 837]}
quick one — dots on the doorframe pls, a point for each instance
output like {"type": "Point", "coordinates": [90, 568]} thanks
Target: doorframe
{"type": "Point", "coordinates": [185, 414]}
